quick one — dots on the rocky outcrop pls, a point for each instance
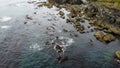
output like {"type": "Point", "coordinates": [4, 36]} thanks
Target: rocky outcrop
{"type": "Point", "coordinates": [110, 15]}
{"type": "Point", "coordinates": [104, 37]}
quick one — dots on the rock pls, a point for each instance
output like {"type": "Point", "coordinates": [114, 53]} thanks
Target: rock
{"type": "Point", "coordinates": [67, 1]}
{"type": "Point", "coordinates": [66, 30]}
{"type": "Point", "coordinates": [117, 53]}
{"type": "Point", "coordinates": [99, 35]}
{"type": "Point", "coordinates": [25, 22]}
{"type": "Point", "coordinates": [35, 12]}
{"type": "Point", "coordinates": [28, 17]}
{"type": "Point", "coordinates": [61, 13]}
{"type": "Point", "coordinates": [108, 38]}
{"type": "Point", "coordinates": [92, 30]}
{"type": "Point", "coordinates": [104, 37]}
{"type": "Point", "coordinates": [62, 59]}
{"type": "Point", "coordinates": [68, 20]}
{"type": "Point", "coordinates": [88, 26]}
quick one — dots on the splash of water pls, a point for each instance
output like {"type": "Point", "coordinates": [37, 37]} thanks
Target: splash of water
{"type": "Point", "coordinates": [36, 47]}
{"type": "Point", "coordinates": [5, 19]}
{"type": "Point", "coordinates": [5, 27]}
{"type": "Point", "coordinates": [66, 41]}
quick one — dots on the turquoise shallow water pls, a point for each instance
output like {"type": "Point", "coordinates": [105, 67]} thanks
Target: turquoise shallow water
{"type": "Point", "coordinates": [25, 45]}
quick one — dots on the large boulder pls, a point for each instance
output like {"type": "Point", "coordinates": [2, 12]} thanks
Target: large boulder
{"type": "Point", "coordinates": [104, 37]}
{"type": "Point", "coordinates": [108, 38]}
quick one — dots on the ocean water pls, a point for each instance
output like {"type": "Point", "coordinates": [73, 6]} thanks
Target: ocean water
{"type": "Point", "coordinates": [26, 43]}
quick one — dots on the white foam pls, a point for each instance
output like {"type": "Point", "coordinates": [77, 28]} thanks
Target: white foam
{"type": "Point", "coordinates": [36, 47]}
{"type": "Point", "coordinates": [66, 41]}
{"type": "Point", "coordinates": [70, 41]}
{"type": "Point", "coordinates": [4, 19]}
{"type": "Point", "coordinates": [5, 27]}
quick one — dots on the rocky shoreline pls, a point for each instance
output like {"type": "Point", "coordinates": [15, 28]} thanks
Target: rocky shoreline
{"type": "Point", "coordinates": [99, 15]}
{"type": "Point", "coordinates": [106, 20]}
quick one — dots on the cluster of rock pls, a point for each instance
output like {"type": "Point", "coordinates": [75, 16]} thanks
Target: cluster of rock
{"type": "Point", "coordinates": [67, 1]}
{"type": "Point", "coordinates": [110, 15]}
{"type": "Point", "coordinates": [104, 37]}
{"type": "Point", "coordinates": [102, 17]}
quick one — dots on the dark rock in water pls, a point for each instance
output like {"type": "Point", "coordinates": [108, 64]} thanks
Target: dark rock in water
{"type": "Point", "coordinates": [25, 22]}
{"type": "Point", "coordinates": [28, 17]}
{"type": "Point", "coordinates": [67, 1]}
{"type": "Point", "coordinates": [61, 13]}
{"type": "Point", "coordinates": [62, 59]}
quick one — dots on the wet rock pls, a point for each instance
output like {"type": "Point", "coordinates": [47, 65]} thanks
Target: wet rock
{"type": "Point", "coordinates": [108, 27]}
{"type": "Point", "coordinates": [68, 20]}
{"type": "Point", "coordinates": [88, 26]}
{"type": "Point", "coordinates": [80, 27]}
{"type": "Point", "coordinates": [82, 32]}
{"type": "Point", "coordinates": [66, 30]}
{"type": "Point", "coordinates": [25, 22]}
{"type": "Point", "coordinates": [78, 18]}
{"type": "Point", "coordinates": [82, 21]}
{"type": "Point", "coordinates": [117, 53]}
{"type": "Point", "coordinates": [47, 4]}
{"type": "Point", "coordinates": [104, 37]}
{"type": "Point", "coordinates": [28, 17]}
{"type": "Point", "coordinates": [108, 38]}
{"type": "Point", "coordinates": [91, 42]}
{"type": "Point", "coordinates": [92, 30]}
{"type": "Point", "coordinates": [67, 1]}
{"type": "Point", "coordinates": [62, 59]}
{"type": "Point", "coordinates": [61, 13]}
{"type": "Point", "coordinates": [99, 35]}
{"type": "Point", "coordinates": [35, 12]}
{"type": "Point", "coordinates": [98, 28]}
{"type": "Point", "coordinates": [92, 22]}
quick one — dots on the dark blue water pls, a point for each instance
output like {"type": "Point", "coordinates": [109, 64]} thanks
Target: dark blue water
{"type": "Point", "coordinates": [25, 45]}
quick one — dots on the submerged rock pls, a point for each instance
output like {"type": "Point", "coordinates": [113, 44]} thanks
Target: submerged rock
{"type": "Point", "coordinates": [62, 59]}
